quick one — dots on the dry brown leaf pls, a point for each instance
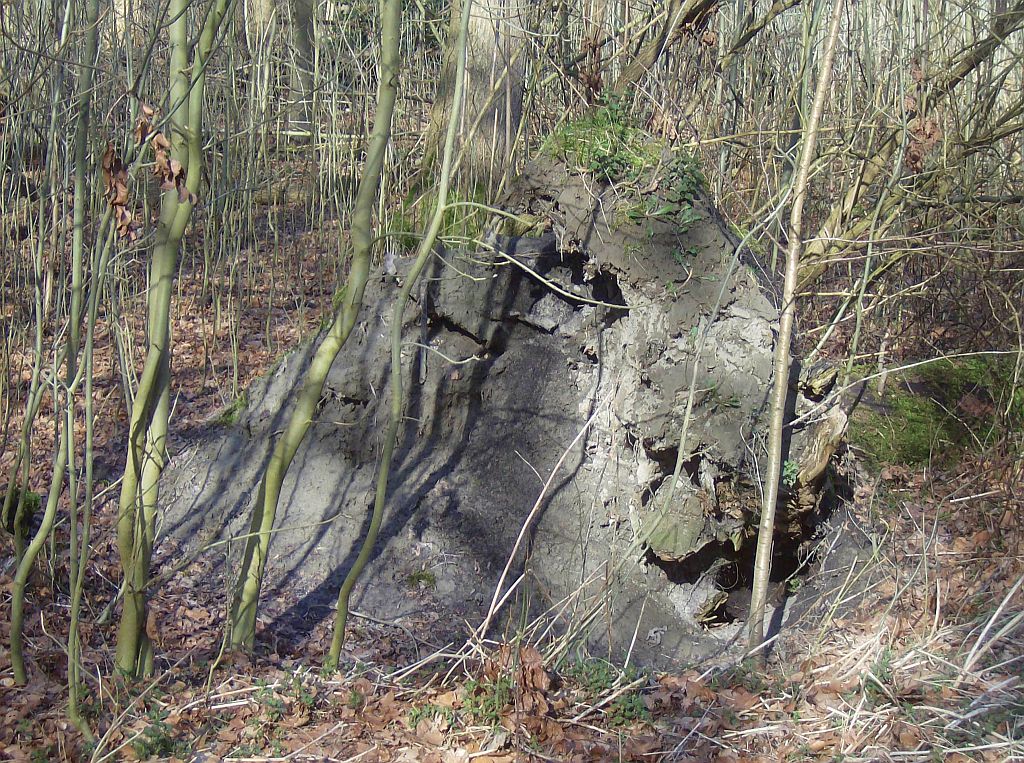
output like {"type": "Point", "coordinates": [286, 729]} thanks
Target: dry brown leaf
{"type": "Point", "coordinates": [823, 742]}
{"type": "Point", "coordinates": [428, 732]}
{"type": "Point", "coordinates": [909, 736]}
{"type": "Point", "coordinates": [447, 699]}
{"type": "Point", "coordinates": [739, 698]}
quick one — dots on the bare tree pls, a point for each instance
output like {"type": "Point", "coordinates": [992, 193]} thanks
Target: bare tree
{"type": "Point", "coordinates": [780, 388]}
{"type": "Point", "coordinates": [494, 89]}
{"type": "Point", "coordinates": [246, 597]}
{"type": "Point", "coordinates": [147, 435]}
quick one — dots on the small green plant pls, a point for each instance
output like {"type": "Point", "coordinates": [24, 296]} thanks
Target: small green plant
{"type": "Point", "coordinates": [230, 415]}
{"type": "Point", "coordinates": [274, 707]}
{"type": "Point", "coordinates": [686, 217]}
{"type": "Point", "coordinates": [672, 204]}
{"type": "Point", "coordinates": [683, 178]}
{"type": "Point", "coordinates": [633, 251]}
{"type": "Point", "coordinates": [595, 676]}
{"type": "Point", "coordinates": [790, 472]}
{"type": "Point", "coordinates": [356, 700]}
{"type": "Point", "coordinates": [879, 678]}
{"type": "Point", "coordinates": [157, 740]}
{"type": "Point", "coordinates": [430, 711]}
{"type": "Point", "coordinates": [305, 695]}
{"type": "Point", "coordinates": [680, 214]}
{"type": "Point", "coordinates": [422, 579]}
{"type": "Point", "coordinates": [680, 255]}
{"type": "Point", "coordinates": [718, 400]}
{"type": "Point", "coordinates": [534, 745]}
{"type": "Point", "coordinates": [628, 708]}
{"type": "Point", "coordinates": [485, 701]}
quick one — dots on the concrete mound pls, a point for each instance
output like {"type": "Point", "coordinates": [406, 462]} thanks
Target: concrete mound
{"type": "Point", "coordinates": [590, 323]}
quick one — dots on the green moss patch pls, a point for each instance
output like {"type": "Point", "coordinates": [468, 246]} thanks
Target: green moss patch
{"type": "Point", "coordinates": [422, 579]}
{"type": "Point", "coordinates": [30, 504]}
{"type": "Point", "coordinates": [606, 143]}
{"type": "Point", "coordinates": [230, 415]}
{"type": "Point", "coordinates": [655, 185]}
{"type": "Point", "coordinates": [906, 429]}
{"type": "Point", "coordinates": [932, 411]}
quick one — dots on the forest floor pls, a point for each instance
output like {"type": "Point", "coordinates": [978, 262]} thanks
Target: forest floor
{"type": "Point", "coordinates": [927, 666]}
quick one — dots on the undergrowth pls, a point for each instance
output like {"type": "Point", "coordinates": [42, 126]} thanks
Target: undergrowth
{"type": "Point", "coordinates": [597, 678]}
{"type": "Point", "coordinates": [463, 220]}
{"type": "Point", "coordinates": [484, 702]}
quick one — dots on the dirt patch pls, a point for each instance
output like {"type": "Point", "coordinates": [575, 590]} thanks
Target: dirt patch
{"type": "Point", "coordinates": [593, 325]}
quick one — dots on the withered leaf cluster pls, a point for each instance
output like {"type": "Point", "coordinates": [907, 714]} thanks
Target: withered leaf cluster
{"type": "Point", "coordinates": [115, 191]}
{"type": "Point", "coordinates": [169, 171]}
{"type": "Point", "coordinates": [924, 135]}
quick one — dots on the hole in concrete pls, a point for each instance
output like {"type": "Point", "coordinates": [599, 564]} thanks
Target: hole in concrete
{"type": "Point", "coordinates": [666, 460]}
{"type": "Point", "coordinates": [606, 289]}
{"type": "Point", "coordinates": [696, 565]}
{"type": "Point", "coordinates": [719, 615]}
{"type": "Point", "coordinates": [733, 570]}
{"type": "Point", "coordinates": [446, 323]}
{"type": "Point", "coordinates": [603, 286]}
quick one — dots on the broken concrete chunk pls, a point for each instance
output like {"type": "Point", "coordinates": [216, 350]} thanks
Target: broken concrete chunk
{"type": "Point", "coordinates": [676, 530]}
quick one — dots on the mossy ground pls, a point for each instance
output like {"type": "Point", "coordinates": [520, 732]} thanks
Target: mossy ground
{"type": "Point", "coordinates": [994, 378]}
{"type": "Point", "coordinates": [909, 430]}
{"type": "Point", "coordinates": [932, 412]}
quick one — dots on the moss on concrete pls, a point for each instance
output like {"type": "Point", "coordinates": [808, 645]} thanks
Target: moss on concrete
{"type": "Point", "coordinates": [606, 143]}
{"type": "Point", "coordinates": [230, 414]}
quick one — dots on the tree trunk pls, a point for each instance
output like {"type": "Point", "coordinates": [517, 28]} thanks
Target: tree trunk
{"type": "Point", "coordinates": [494, 87]}
{"type": "Point", "coordinates": [303, 40]}
{"type": "Point", "coordinates": [147, 438]}
{"type": "Point", "coordinates": [780, 389]}
{"type": "Point", "coordinates": [257, 545]}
